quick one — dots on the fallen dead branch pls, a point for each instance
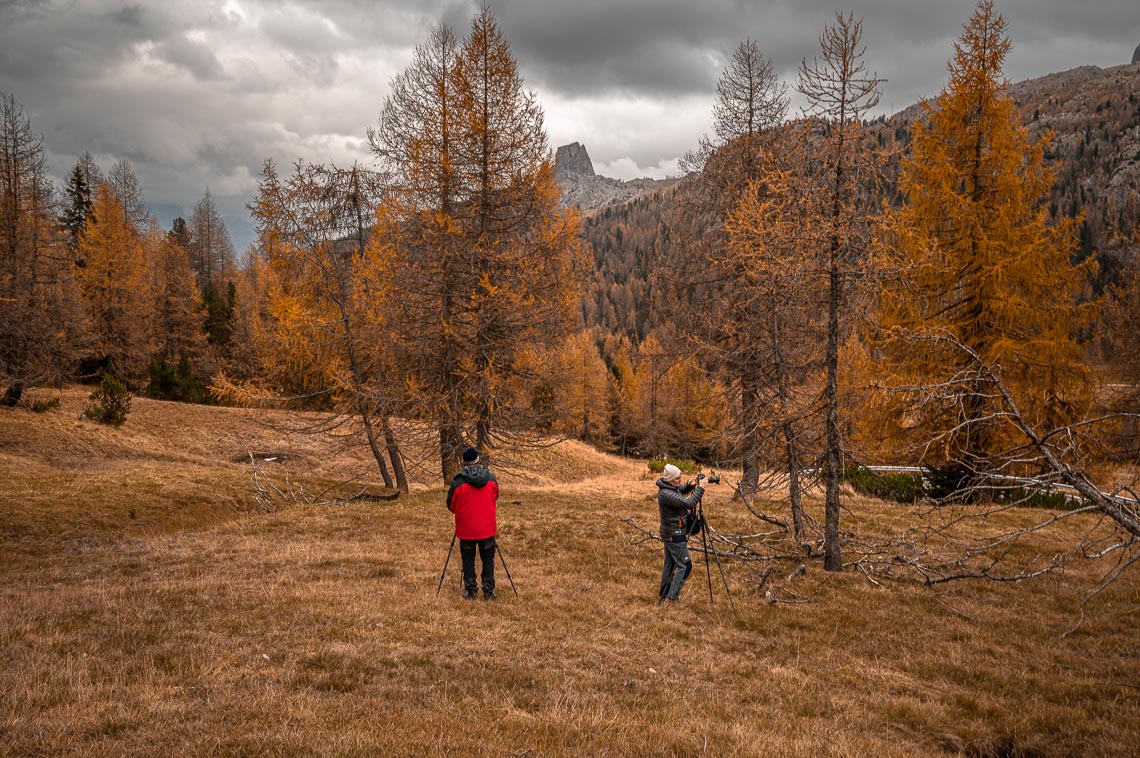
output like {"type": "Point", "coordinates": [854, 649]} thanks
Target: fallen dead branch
{"type": "Point", "coordinates": [270, 495]}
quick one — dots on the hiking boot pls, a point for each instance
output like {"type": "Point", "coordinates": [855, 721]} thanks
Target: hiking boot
{"type": "Point", "coordinates": [470, 595]}
{"type": "Point", "coordinates": [490, 595]}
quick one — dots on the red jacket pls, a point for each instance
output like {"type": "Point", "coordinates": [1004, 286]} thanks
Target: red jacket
{"type": "Point", "coordinates": [472, 499]}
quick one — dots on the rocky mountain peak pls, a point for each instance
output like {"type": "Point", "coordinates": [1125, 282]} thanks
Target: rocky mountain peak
{"type": "Point", "coordinates": [582, 188]}
{"type": "Point", "coordinates": [572, 160]}
{"type": "Point", "coordinates": [1136, 55]}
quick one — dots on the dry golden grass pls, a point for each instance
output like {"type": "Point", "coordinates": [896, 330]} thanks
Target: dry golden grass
{"type": "Point", "coordinates": [202, 625]}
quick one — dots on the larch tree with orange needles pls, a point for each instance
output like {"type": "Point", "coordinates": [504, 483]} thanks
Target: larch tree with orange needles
{"type": "Point", "coordinates": [179, 315]}
{"type": "Point", "coordinates": [472, 262]}
{"type": "Point", "coordinates": [526, 259]}
{"type": "Point", "coordinates": [677, 408]}
{"type": "Point", "coordinates": [413, 275]}
{"type": "Point", "coordinates": [980, 264]}
{"type": "Point", "coordinates": [117, 289]}
{"type": "Point", "coordinates": [312, 228]}
{"type": "Point", "coordinates": [571, 398]}
{"type": "Point", "coordinates": [211, 250]}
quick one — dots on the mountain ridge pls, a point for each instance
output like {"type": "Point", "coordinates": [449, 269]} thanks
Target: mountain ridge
{"type": "Point", "coordinates": [1092, 113]}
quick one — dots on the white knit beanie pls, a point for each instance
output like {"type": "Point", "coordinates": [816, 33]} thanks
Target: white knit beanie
{"type": "Point", "coordinates": [670, 473]}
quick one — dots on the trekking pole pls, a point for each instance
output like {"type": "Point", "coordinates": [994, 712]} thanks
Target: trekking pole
{"type": "Point", "coordinates": [445, 562]}
{"type": "Point", "coordinates": [503, 561]}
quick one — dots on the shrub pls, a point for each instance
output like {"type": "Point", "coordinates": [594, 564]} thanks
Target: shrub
{"type": "Point", "coordinates": [1024, 498]}
{"type": "Point", "coordinates": [39, 406]}
{"type": "Point", "coordinates": [110, 403]}
{"type": "Point", "coordinates": [657, 465]}
{"type": "Point", "coordinates": [899, 487]}
{"type": "Point", "coordinates": [958, 483]}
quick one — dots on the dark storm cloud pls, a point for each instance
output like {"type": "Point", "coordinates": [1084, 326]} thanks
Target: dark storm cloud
{"type": "Point", "coordinates": [200, 93]}
{"type": "Point", "coordinates": [589, 47]}
{"type": "Point", "coordinates": [56, 45]}
{"type": "Point", "coordinates": [194, 57]}
{"type": "Point", "coordinates": [674, 47]}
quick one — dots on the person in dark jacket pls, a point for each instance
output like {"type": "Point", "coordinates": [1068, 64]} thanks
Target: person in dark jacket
{"type": "Point", "coordinates": [675, 503]}
{"type": "Point", "coordinates": [472, 498]}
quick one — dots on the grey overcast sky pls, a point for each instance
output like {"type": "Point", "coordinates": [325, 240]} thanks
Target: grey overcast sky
{"type": "Point", "coordinates": [198, 94]}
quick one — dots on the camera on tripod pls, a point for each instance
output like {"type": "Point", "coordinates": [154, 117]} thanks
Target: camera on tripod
{"type": "Point", "coordinates": [711, 478]}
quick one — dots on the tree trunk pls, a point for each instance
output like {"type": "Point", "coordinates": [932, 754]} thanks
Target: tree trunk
{"type": "Point", "coordinates": [794, 483]}
{"type": "Point", "coordinates": [343, 298]}
{"type": "Point", "coordinates": [13, 394]}
{"type": "Point", "coordinates": [394, 454]}
{"type": "Point", "coordinates": [483, 428]}
{"type": "Point", "coordinates": [832, 555]}
{"type": "Point", "coordinates": [366, 417]}
{"type": "Point", "coordinates": [450, 446]}
{"type": "Point", "coordinates": [750, 467]}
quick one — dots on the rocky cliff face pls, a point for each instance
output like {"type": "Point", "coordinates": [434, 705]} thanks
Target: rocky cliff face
{"type": "Point", "coordinates": [572, 160]}
{"type": "Point", "coordinates": [1136, 55]}
{"type": "Point", "coordinates": [582, 188]}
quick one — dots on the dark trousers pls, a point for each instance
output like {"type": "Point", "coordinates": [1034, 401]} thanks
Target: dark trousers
{"type": "Point", "coordinates": [486, 555]}
{"type": "Point", "coordinates": [676, 570]}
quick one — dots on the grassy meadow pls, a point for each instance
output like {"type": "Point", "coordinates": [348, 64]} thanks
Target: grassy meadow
{"type": "Point", "coordinates": [148, 606]}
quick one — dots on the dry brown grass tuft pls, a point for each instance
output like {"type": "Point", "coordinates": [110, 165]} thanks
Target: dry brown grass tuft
{"type": "Point", "coordinates": [203, 625]}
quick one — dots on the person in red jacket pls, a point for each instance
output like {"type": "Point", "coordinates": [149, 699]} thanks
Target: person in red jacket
{"type": "Point", "coordinates": [472, 498]}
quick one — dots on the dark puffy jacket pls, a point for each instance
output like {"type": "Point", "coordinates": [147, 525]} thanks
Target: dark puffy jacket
{"type": "Point", "coordinates": [472, 499]}
{"type": "Point", "coordinates": [674, 506]}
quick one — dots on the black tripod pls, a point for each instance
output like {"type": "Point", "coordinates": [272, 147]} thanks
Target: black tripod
{"type": "Point", "coordinates": [708, 547]}
{"type": "Point", "coordinates": [498, 549]}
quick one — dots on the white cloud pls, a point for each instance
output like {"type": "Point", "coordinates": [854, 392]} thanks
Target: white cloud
{"type": "Point", "coordinates": [630, 137]}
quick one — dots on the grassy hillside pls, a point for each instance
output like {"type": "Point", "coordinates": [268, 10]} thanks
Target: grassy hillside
{"type": "Point", "coordinates": [148, 606]}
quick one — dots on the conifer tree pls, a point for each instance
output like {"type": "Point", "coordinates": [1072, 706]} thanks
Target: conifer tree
{"type": "Point", "coordinates": [677, 410]}
{"type": "Point", "coordinates": [839, 93]}
{"type": "Point", "coordinates": [117, 289]}
{"type": "Point", "coordinates": [527, 257]}
{"type": "Point", "coordinates": [179, 316]}
{"type": "Point", "coordinates": [751, 101]}
{"type": "Point", "coordinates": [982, 265]}
{"type": "Point", "coordinates": [92, 174]}
{"type": "Point", "coordinates": [211, 251]}
{"type": "Point", "coordinates": [125, 183]}
{"type": "Point", "coordinates": [587, 381]}
{"type": "Point", "coordinates": [621, 401]}
{"type": "Point", "coordinates": [312, 230]}
{"type": "Point", "coordinates": [38, 310]}
{"type": "Point", "coordinates": [77, 207]}
{"type": "Point", "coordinates": [415, 250]}
{"type": "Point", "coordinates": [773, 238]}
{"type": "Point", "coordinates": [180, 235]}
{"type": "Point", "coordinates": [472, 256]}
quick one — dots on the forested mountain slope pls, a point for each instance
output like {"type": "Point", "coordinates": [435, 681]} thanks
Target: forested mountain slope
{"type": "Point", "coordinates": [1093, 115]}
